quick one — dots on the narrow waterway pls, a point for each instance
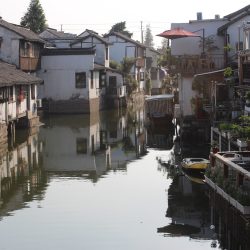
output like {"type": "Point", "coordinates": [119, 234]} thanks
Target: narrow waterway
{"type": "Point", "coordinates": [83, 182]}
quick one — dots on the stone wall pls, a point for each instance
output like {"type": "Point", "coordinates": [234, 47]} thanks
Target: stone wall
{"type": "Point", "coordinates": [76, 106]}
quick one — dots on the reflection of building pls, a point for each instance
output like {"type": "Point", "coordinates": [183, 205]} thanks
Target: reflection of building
{"type": "Point", "coordinates": [160, 137]}
{"type": "Point", "coordinates": [188, 208]}
{"type": "Point", "coordinates": [72, 145]}
{"type": "Point", "coordinates": [125, 134]}
{"type": "Point", "coordinates": [20, 165]}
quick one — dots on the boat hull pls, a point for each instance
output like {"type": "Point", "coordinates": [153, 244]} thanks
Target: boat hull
{"type": "Point", "coordinates": [195, 165]}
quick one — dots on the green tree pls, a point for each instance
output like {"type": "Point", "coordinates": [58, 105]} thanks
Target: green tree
{"type": "Point", "coordinates": [34, 18]}
{"type": "Point", "coordinates": [148, 39]}
{"type": "Point", "coordinates": [121, 28]}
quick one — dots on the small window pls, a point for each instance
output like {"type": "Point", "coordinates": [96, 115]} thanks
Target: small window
{"type": "Point", "coordinates": [91, 79]}
{"type": "Point", "coordinates": [141, 76]}
{"type": "Point", "coordinates": [107, 53]}
{"type": "Point", "coordinates": [81, 145]}
{"type": "Point", "coordinates": [102, 80]}
{"type": "Point", "coordinates": [11, 93]}
{"type": "Point", "coordinates": [112, 81]}
{"type": "Point", "coordinates": [33, 92]}
{"type": "Point", "coordinates": [80, 80]}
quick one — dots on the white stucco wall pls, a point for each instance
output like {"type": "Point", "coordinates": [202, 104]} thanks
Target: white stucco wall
{"type": "Point", "coordinates": [233, 31]}
{"type": "Point", "coordinates": [3, 112]}
{"type": "Point", "coordinates": [190, 45]}
{"type": "Point", "coordinates": [185, 95]}
{"type": "Point", "coordinates": [120, 49]}
{"type": "Point", "coordinates": [60, 151]}
{"type": "Point", "coordinates": [58, 73]}
{"type": "Point", "coordinates": [100, 47]}
{"type": "Point", "coordinates": [9, 51]}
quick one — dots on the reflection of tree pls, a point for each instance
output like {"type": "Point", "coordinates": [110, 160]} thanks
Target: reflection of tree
{"type": "Point", "coordinates": [188, 206]}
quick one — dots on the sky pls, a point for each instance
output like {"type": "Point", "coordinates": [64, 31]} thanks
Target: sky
{"type": "Point", "coordinates": [77, 15]}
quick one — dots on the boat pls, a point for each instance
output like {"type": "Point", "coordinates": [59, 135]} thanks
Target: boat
{"type": "Point", "coordinates": [194, 177]}
{"type": "Point", "coordinates": [195, 164]}
{"type": "Point", "coordinates": [160, 109]}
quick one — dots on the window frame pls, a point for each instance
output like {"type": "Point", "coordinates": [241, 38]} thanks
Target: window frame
{"type": "Point", "coordinates": [80, 80]}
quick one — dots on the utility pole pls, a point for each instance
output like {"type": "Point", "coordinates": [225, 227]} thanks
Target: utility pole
{"type": "Point", "coordinates": [141, 33]}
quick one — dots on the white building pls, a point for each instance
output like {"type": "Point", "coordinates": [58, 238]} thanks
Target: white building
{"type": "Point", "coordinates": [125, 47]}
{"type": "Point", "coordinates": [216, 48]}
{"type": "Point", "coordinates": [154, 73]}
{"type": "Point", "coordinates": [71, 82]}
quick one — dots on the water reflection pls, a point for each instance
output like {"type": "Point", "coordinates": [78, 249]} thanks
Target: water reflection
{"type": "Point", "coordinates": [188, 207]}
{"type": "Point", "coordinates": [91, 145]}
{"type": "Point", "coordinates": [115, 191]}
{"type": "Point", "coordinates": [232, 228]}
{"type": "Point", "coordinates": [22, 178]}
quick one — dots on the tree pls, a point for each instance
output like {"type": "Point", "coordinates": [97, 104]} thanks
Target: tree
{"type": "Point", "coordinates": [148, 39]}
{"type": "Point", "coordinates": [121, 28]}
{"type": "Point", "coordinates": [34, 18]}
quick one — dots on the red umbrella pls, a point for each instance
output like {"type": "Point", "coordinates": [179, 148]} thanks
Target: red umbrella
{"type": "Point", "coordinates": [177, 33]}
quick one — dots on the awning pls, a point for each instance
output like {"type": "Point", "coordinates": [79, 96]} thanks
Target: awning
{"type": "Point", "coordinates": [217, 75]}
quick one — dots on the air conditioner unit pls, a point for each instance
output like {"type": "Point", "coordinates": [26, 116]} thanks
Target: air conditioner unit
{"type": "Point", "coordinates": [39, 103]}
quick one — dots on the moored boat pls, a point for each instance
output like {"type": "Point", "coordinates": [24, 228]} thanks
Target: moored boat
{"type": "Point", "coordinates": [160, 109]}
{"type": "Point", "coordinates": [195, 164]}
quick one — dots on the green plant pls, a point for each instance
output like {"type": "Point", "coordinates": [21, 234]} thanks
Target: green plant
{"type": "Point", "coordinates": [247, 96]}
{"type": "Point", "coordinates": [228, 72]}
{"type": "Point", "coordinates": [114, 64]}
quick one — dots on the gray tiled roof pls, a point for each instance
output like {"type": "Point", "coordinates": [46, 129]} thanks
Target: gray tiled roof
{"type": "Point", "coordinates": [91, 34]}
{"type": "Point", "coordinates": [60, 34]}
{"type": "Point", "coordinates": [10, 75]}
{"type": "Point", "coordinates": [126, 38]}
{"type": "Point", "coordinates": [21, 31]}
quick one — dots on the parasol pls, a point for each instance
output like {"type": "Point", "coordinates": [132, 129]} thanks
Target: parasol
{"type": "Point", "coordinates": [177, 33]}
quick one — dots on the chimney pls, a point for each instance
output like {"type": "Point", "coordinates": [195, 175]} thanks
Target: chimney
{"type": "Point", "coordinates": [199, 16]}
{"type": "Point", "coordinates": [217, 16]}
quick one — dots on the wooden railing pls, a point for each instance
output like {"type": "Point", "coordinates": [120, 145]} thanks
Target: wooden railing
{"type": "Point", "coordinates": [194, 64]}
{"type": "Point", "coordinates": [29, 63]}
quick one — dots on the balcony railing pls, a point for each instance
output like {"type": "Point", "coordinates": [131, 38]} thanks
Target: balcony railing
{"type": "Point", "coordinates": [29, 63]}
{"type": "Point", "coordinates": [194, 64]}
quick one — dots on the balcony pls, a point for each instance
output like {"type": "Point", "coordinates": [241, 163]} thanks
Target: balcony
{"type": "Point", "coordinates": [29, 63]}
{"type": "Point", "coordinates": [194, 64]}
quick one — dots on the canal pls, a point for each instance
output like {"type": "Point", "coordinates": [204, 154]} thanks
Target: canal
{"type": "Point", "coordinates": [94, 182]}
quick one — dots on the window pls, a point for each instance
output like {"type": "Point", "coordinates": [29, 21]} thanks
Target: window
{"type": "Point", "coordinates": [91, 79]}
{"type": "Point", "coordinates": [141, 76]}
{"type": "Point", "coordinates": [10, 93]}
{"type": "Point", "coordinates": [107, 53]}
{"type": "Point", "coordinates": [80, 80]}
{"type": "Point", "coordinates": [81, 145]}
{"type": "Point", "coordinates": [33, 92]}
{"type": "Point", "coordinates": [102, 79]}
{"type": "Point", "coordinates": [112, 81]}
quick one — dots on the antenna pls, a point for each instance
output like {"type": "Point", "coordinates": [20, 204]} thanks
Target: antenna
{"type": "Point", "coordinates": [141, 33]}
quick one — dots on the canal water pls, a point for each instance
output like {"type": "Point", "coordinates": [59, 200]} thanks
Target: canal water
{"type": "Point", "coordinates": [94, 182]}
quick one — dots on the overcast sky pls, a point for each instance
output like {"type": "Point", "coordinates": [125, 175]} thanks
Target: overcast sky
{"type": "Point", "coordinates": [77, 15]}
